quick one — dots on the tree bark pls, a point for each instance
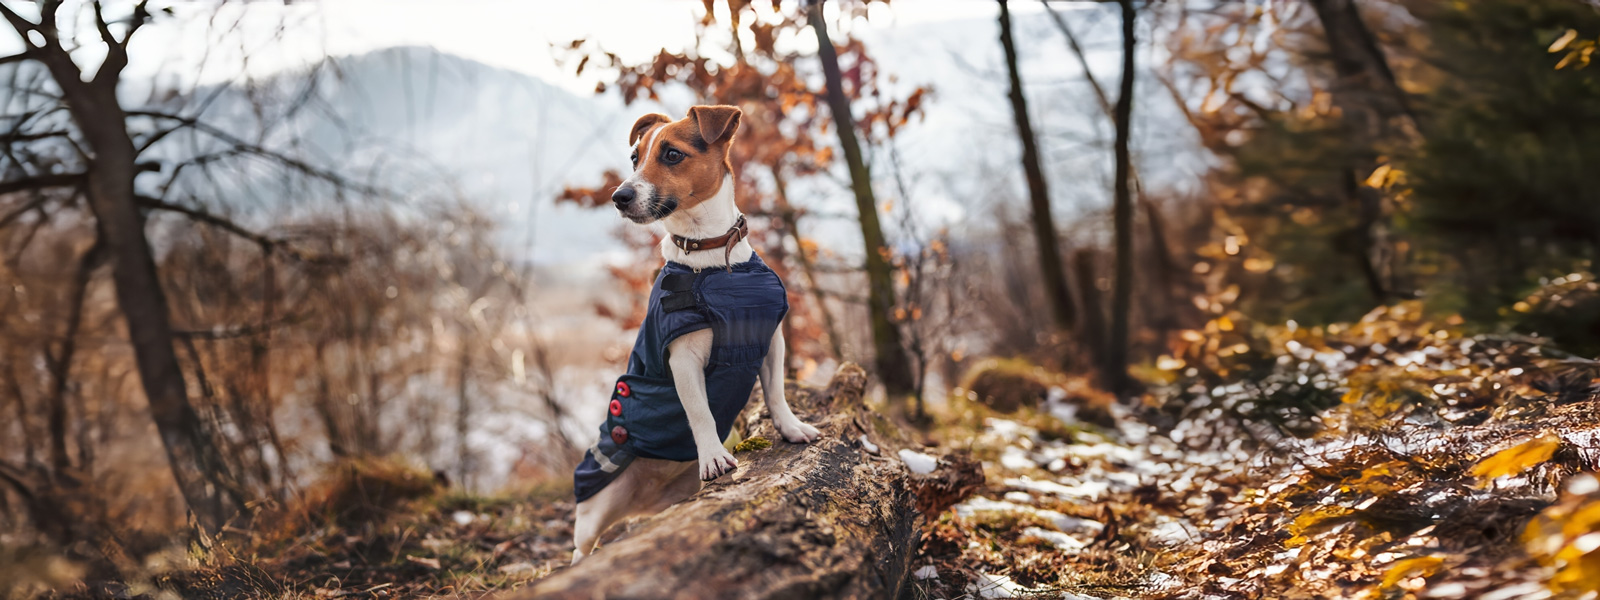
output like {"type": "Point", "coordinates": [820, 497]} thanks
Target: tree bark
{"type": "Point", "coordinates": [1375, 111]}
{"type": "Point", "coordinates": [893, 367]}
{"type": "Point", "coordinates": [195, 462]}
{"type": "Point", "coordinates": [822, 520]}
{"type": "Point", "coordinates": [1093, 326]}
{"type": "Point", "coordinates": [1122, 208]}
{"type": "Point", "coordinates": [1052, 273]}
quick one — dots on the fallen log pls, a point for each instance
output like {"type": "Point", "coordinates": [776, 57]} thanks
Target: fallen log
{"type": "Point", "coordinates": [836, 518]}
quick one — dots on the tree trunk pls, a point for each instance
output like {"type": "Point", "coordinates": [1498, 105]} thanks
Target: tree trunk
{"type": "Point", "coordinates": [894, 369]}
{"type": "Point", "coordinates": [1093, 326]}
{"type": "Point", "coordinates": [822, 520]}
{"type": "Point", "coordinates": [1375, 111]}
{"type": "Point", "coordinates": [1052, 274]}
{"type": "Point", "coordinates": [190, 450]}
{"type": "Point", "coordinates": [1117, 346]}
{"type": "Point", "coordinates": [1366, 90]}
{"type": "Point", "coordinates": [464, 462]}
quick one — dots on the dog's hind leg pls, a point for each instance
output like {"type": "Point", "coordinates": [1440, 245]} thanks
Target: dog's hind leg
{"type": "Point", "coordinates": [595, 515]}
{"type": "Point", "coordinates": [789, 426]}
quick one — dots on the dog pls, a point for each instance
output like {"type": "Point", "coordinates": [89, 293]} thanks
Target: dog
{"type": "Point", "coordinates": [712, 329]}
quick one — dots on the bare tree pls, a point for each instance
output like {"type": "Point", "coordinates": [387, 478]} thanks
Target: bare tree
{"type": "Point", "coordinates": [109, 182]}
{"type": "Point", "coordinates": [1051, 270]}
{"type": "Point", "coordinates": [893, 367]}
{"type": "Point", "coordinates": [1122, 209]}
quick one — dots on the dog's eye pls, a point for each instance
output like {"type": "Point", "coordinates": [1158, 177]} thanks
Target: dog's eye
{"type": "Point", "coordinates": [672, 156]}
{"type": "Point", "coordinates": [635, 158]}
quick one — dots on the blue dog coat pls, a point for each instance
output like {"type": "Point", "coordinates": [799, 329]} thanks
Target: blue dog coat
{"type": "Point", "coordinates": [743, 306]}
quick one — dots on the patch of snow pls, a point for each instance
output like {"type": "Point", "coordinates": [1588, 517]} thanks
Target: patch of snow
{"type": "Point", "coordinates": [978, 504]}
{"type": "Point", "coordinates": [461, 517]}
{"type": "Point", "coordinates": [926, 572]}
{"type": "Point", "coordinates": [1016, 459]}
{"type": "Point", "coordinates": [1072, 596]}
{"type": "Point", "coordinates": [1523, 591]}
{"type": "Point", "coordinates": [1108, 452]}
{"type": "Point", "coordinates": [1060, 540]}
{"type": "Point", "coordinates": [918, 462]}
{"type": "Point", "coordinates": [1088, 490]}
{"type": "Point", "coordinates": [867, 445]}
{"type": "Point", "coordinates": [1159, 581]}
{"type": "Point", "coordinates": [996, 586]}
{"type": "Point", "coordinates": [1009, 430]}
{"type": "Point", "coordinates": [1452, 589]}
{"type": "Point", "coordinates": [1172, 531]}
{"type": "Point", "coordinates": [1019, 497]}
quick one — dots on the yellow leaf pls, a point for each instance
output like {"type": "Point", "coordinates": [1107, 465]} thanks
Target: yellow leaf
{"type": "Point", "coordinates": [1311, 520]}
{"type": "Point", "coordinates": [1566, 61]}
{"type": "Point", "coordinates": [1562, 41]}
{"type": "Point", "coordinates": [1517, 459]}
{"type": "Point", "coordinates": [1377, 177]}
{"type": "Point", "coordinates": [1420, 566]}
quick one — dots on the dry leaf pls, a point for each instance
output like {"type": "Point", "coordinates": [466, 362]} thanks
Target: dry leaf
{"type": "Point", "coordinates": [1516, 459]}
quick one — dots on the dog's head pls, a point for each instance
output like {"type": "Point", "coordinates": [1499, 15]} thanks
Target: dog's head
{"type": "Point", "coordinates": [676, 164]}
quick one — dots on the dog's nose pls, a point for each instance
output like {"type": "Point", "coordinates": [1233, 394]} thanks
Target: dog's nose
{"type": "Point", "coordinates": [623, 196]}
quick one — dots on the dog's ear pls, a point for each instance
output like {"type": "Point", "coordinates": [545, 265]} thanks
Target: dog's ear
{"type": "Point", "coordinates": [644, 124]}
{"type": "Point", "coordinates": [717, 123]}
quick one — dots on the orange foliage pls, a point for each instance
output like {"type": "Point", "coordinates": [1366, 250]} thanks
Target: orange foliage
{"type": "Point", "coordinates": [777, 140]}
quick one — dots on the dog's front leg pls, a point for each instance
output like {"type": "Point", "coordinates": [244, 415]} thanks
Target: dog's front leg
{"type": "Point", "coordinates": [688, 356]}
{"type": "Point", "coordinates": [783, 419]}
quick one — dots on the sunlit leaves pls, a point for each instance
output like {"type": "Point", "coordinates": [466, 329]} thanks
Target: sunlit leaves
{"type": "Point", "coordinates": [1566, 536]}
{"type": "Point", "coordinates": [1313, 520]}
{"type": "Point", "coordinates": [1405, 570]}
{"type": "Point", "coordinates": [1579, 52]}
{"type": "Point", "coordinates": [1518, 458]}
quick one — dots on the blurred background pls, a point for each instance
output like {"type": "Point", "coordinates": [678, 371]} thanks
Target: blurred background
{"type": "Point", "coordinates": [242, 242]}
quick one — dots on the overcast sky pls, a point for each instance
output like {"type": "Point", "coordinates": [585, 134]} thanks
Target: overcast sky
{"type": "Point", "coordinates": [211, 41]}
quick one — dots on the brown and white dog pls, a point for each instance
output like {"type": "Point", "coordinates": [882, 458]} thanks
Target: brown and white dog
{"type": "Point", "coordinates": [682, 177]}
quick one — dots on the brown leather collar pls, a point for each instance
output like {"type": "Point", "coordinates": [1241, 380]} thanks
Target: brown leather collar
{"type": "Point", "coordinates": [726, 241]}
{"type": "Point", "coordinates": [738, 232]}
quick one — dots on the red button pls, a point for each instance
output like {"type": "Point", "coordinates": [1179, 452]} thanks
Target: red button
{"type": "Point", "coordinates": [616, 408]}
{"type": "Point", "coordinates": [619, 435]}
{"type": "Point", "coordinates": [622, 389]}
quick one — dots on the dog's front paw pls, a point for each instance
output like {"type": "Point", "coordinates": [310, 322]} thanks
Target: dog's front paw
{"type": "Point", "coordinates": [715, 463]}
{"type": "Point", "coordinates": [797, 432]}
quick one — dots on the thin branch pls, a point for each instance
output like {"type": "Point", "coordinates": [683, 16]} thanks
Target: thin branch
{"type": "Point", "coordinates": [18, 57]}
{"type": "Point", "coordinates": [237, 331]}
{"type": "Point", "coordinates": [104, 27]}
{"type": "Point", "coordinates": [294, 163]}
{"type": "Point", "coordinates": [267, 243]}
{"type": "Point", "coordinates": [210, 219]}
{"type": "Point", "coordinates": [1083, 58]}
{"type": "Point", "coordinates": [40, 182]}
{"type": "Point", "coordinates": [32, 204]}
{"type": "Point", "coordinates": [22, 25]}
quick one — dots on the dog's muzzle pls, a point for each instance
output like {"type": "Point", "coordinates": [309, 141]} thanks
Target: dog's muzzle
{"type": "Point", "coordinates": [642, 208]}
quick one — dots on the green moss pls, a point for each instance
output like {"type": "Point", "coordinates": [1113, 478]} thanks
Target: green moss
{"type": "Point", "coordinates": [755, 443]}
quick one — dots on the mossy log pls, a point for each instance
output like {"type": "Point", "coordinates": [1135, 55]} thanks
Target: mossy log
{"type": "Point", "coordinates": [827, 519]}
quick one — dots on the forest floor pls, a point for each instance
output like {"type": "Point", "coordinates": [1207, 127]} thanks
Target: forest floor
{"type": "Point", "coordinates": [1390, 458]}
